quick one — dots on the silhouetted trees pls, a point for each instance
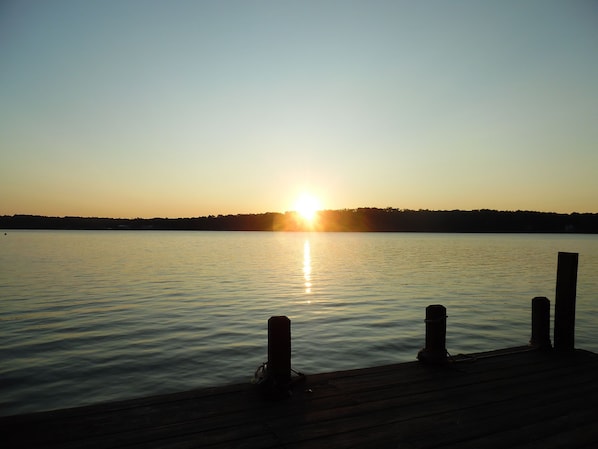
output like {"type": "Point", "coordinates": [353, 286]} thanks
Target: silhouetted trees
{"type": "Point", "coordinates": [346, 220]}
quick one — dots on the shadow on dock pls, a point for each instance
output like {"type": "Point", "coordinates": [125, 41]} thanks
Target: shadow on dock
{"type": "Point", "coordinates": [520, 398]}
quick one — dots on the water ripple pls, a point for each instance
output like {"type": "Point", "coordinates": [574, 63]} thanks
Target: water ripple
{"type": "Point", "coordinates": [96, 316]}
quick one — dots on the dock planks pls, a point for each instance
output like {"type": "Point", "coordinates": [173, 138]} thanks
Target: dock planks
{"type": "Point", "coordinates": [516, 398]}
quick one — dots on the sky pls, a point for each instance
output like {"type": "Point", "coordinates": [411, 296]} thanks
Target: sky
{"type": "Point", "coordinates": [126, 108]}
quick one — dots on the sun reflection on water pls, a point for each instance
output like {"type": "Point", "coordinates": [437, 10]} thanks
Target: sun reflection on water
{"type": "Point", "coordinates": [307, 267]}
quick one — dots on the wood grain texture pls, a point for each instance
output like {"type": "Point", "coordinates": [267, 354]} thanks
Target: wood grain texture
{"type": "Point", "coordinates": [516, 398]}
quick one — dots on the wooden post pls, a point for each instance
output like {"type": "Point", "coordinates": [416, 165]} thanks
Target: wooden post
{"type": "Point", "coordinates": [540, 323]}
{"type": "Point", "coordinates": [435, 350]}
{"type": "Point", "coordinates": [564, 307]}
{"type": "Point", "coordinates": [279, 354]}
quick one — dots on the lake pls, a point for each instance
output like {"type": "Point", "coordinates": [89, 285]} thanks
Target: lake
{"type": "Point", "coordinates": [90, 316]}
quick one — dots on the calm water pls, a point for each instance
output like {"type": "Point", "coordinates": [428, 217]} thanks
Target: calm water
{"type": "Point", "coordinates": [91, 316]}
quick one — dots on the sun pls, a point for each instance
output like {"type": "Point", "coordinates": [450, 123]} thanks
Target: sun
{"type": "Point", "coordinates": [307, 207]}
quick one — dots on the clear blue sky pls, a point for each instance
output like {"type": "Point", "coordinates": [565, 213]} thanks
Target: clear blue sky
{"type": "Point", "coordinates": [186, 108]}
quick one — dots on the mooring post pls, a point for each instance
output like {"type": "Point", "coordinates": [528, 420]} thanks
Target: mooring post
{"type": "Point", "coordinates": [540, 323]}
{"type": "Point", "coordinates": [435, 350]}
{"type": "Point", "coordinates": [279, 353]}
{"type": "Point", "coordinates": [564, 307]}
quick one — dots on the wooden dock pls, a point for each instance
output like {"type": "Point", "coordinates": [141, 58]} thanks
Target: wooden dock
{"type": "Point", "coordinates": [514, 398]}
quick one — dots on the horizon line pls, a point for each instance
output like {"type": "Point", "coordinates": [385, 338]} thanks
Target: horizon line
{"type": "Point", "coordinates": [395, 209]}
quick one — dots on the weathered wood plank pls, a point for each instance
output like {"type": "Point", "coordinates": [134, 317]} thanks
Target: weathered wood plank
{"type": "Point", "coordinates": [498, 399]}
{"type": "Point", "coordinates": [403, 419]}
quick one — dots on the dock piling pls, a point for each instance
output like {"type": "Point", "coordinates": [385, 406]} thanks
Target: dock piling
{"type": "Point", "coordinates": [564, 307]}
{"type": "Point", "coordinates": [278, 369]}
{"type": "Point", "coordinates": [435, 349]}
{"type": "Point", "coordinates": [540, 323]}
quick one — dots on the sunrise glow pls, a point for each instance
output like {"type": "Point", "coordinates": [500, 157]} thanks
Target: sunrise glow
{"type": "Point", "coordinates": [307, 207]}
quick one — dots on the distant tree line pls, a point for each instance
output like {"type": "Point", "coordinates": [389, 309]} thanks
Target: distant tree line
{"type": "Point", "coordinates": [345, 220]}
